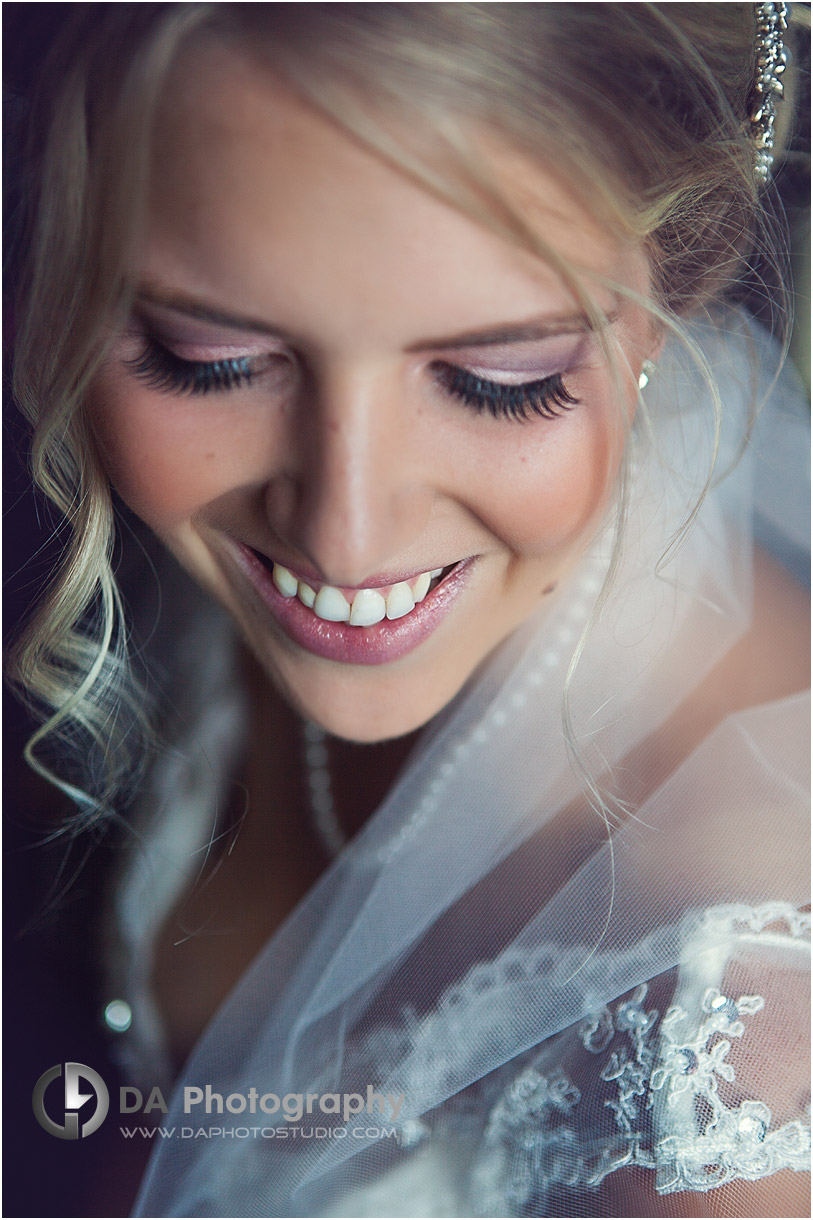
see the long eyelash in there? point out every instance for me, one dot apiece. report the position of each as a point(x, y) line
point(161, 369)
point(547, 398)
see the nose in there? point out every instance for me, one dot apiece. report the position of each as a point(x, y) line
point(354, 495)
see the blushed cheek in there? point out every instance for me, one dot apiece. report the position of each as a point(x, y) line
point(164, 463)
point(558, 490)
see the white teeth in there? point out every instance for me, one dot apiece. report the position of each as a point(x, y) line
point(368, 607)
point(400, 600)
point(332, 605)
point(285, 581)
point(420, 587)
point(306, 595)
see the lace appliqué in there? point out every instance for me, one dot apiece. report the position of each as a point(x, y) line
point(720, 1143)
point(550, 1130)
point(541, 1134)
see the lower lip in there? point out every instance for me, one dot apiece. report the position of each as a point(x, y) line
point(379, 644)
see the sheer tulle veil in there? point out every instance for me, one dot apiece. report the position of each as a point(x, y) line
point(488, 905)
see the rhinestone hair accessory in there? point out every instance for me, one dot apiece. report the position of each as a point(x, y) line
point(771, 61)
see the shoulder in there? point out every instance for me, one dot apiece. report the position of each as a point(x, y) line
point(772, 660)
point(769, 663)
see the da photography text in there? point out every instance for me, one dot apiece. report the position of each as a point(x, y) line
point(292, 1106)
point(60, 1109)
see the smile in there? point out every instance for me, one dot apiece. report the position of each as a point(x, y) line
point(369, 626)
point(365, 607)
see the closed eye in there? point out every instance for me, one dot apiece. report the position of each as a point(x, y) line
point(162, 369)
point(544, 398)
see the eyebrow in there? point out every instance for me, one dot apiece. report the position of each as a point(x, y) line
point(511, 332)
point(178, 302)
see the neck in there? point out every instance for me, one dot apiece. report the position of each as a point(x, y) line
point(269, 858)
point(361, 775)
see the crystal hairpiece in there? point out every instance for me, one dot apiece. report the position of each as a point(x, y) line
point(771, 60)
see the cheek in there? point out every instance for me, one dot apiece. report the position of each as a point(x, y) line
point(554, 481)
point(168, 459)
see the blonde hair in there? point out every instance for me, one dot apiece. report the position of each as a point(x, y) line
point(642, 109)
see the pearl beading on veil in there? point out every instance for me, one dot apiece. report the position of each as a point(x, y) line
point(499, 717)
point(322, 808)
point(323, 813)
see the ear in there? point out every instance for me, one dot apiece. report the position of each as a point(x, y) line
point(650, 362)
point(658, 341)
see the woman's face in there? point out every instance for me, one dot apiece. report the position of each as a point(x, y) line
point(365, 352)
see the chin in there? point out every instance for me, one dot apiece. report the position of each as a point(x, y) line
point(366, 731)
point(359, 706)
point(353, 719)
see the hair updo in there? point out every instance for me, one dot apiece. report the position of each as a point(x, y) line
point(643, 109)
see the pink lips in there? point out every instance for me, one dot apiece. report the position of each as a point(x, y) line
point(377, 645)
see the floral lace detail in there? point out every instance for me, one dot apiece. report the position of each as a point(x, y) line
point(688, 1063)
point(633, 1084)
point(738, 919)
point(537, 1137)
point(629, 1072)
point(735, 1142)
point(549, 1132)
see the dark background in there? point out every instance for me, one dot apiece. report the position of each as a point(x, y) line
point(52, 1002)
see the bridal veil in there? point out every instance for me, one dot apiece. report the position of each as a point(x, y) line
point(569, 996)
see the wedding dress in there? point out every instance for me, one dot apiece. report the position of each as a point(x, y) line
point(578, 1003)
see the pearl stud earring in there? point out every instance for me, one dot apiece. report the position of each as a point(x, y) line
point(647, 370)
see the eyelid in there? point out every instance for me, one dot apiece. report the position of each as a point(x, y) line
point(259, 361)
point(204, 343)
point(517, 363)
point(512, 376)
point(165, 371)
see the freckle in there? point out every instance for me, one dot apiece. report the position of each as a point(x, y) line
point(209, 456)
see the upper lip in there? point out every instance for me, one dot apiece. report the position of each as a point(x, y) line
point(377, 581)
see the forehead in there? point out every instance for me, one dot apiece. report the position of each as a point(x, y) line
point(265, 205)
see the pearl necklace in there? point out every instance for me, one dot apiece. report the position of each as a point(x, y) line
point(322, 807)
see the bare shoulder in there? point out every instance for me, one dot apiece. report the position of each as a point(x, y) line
point(769, 662)
point(784, 1194)
point(773, 658)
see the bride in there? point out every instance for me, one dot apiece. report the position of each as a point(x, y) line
point(461, 791)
